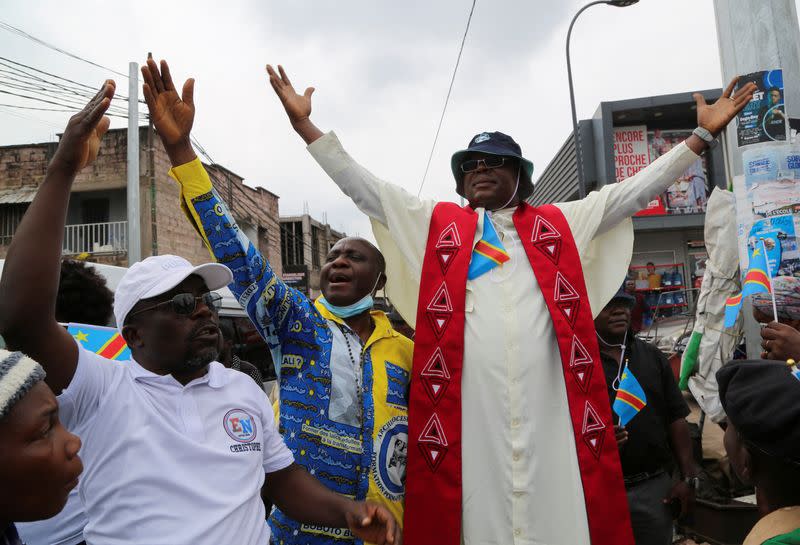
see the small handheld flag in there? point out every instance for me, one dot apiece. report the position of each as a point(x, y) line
point(756, 280)
point(488, 253)
point(630, 398)
point(793, 368)
point(732, 307)
point(105, 341)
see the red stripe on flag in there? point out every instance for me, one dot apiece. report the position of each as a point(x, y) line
point(113, 347)
point(487, 250)
point(758, 276)
point(733, 301)
point(631, 400)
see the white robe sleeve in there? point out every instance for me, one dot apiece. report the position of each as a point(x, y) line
point(399, 220)
point(603, 230)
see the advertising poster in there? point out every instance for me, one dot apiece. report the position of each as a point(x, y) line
point(764, 118)
point(296, 276)
point(772, 179)
point(631, 154)
point(768, 211)
point(689, 193)
point(780, 241)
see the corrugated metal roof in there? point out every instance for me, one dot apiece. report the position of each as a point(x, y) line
point(16, 195)
point(559, 179)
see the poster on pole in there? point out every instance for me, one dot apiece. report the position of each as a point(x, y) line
point(632, 154)
point(768, 204)
point(764, 118)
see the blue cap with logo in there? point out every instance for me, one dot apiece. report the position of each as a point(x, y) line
point(494, 143)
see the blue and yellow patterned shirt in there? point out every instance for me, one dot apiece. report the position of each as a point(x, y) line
point(343, 403)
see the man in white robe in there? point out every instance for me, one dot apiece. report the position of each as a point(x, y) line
point(521, 482)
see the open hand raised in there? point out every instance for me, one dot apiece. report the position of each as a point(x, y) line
point(81, 139)
point(172, 115)
point(715, 117)
point(298, 107)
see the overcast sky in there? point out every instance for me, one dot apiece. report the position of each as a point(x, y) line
point(381, 71)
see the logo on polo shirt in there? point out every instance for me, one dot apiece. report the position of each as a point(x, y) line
point(389, 457)
point(240, 425)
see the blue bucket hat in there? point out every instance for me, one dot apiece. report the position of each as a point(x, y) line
point(624, 297)
point(494, 143)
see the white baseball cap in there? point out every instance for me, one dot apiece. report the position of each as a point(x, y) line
point(159, 274)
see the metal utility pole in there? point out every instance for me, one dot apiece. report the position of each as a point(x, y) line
point(756, 35)
point(134, 233)
point(576, 130)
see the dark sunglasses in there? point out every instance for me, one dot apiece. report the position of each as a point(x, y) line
point(186, 303)
point(492, 161)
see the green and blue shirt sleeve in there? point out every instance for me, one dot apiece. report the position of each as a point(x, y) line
point(792, 538)
point(273, 306)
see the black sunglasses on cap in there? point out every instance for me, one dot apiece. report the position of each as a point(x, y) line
point(491, 161)
point(185, 304)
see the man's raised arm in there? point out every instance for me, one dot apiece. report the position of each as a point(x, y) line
point(633, 194)
point(30, 277)
point(363, 187)
point(173, 117)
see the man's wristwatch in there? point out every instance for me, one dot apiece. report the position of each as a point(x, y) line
point(704, 135)
point(693, 482)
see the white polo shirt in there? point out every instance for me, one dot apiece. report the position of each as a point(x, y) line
point(167, 464)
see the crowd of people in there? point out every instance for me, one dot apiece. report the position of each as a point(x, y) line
point(494, 425)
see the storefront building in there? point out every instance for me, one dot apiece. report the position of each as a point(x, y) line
point(622, 138)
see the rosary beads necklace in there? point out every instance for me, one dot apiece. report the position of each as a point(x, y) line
point(358, 366)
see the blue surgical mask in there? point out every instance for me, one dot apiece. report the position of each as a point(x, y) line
point(362, 305)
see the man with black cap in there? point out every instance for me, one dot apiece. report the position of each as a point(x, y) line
point(506, 367)
point(656, 435)
point(762, 440)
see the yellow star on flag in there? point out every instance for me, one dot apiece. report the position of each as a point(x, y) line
point(756, 252)
point(81, 336)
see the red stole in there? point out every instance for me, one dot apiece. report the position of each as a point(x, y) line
point(433, 481)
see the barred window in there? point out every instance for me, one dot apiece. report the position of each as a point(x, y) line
point(10, 216)
point(292, 243)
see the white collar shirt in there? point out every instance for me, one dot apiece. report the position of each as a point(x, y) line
point(171, 464)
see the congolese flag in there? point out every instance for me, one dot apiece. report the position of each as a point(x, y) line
point(488, 253)
point(630, 398)
point(755, 281)
point(732, 307)
point(105, 341)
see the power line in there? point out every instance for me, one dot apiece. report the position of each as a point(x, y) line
point(73, 101)
point(20, 32)
point(20, 69)
point(46, 101)
point(30, 83)
point(447, 98)
point(29, 117)
point(32, 108)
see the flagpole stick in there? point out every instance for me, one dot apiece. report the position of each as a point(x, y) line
point(769, 274)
